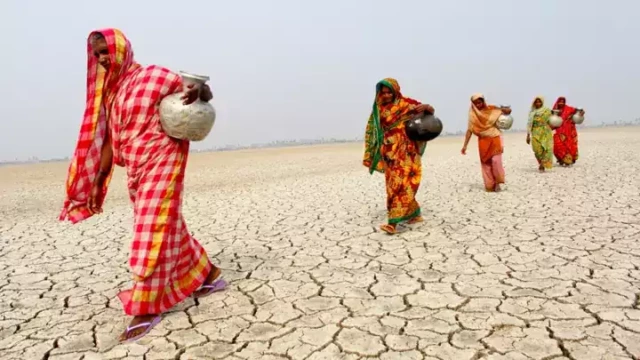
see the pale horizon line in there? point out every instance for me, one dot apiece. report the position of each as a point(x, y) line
point(300, 142)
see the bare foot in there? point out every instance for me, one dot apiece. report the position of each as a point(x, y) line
point(134, 330)
point(211, 278)
point(541, 169)
point(497, 188)
point(415, 220)
point(388, 228)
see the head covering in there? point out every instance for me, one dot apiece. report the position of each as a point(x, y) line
point(477, 96)
point(101, 85)
point(539, 97)
point(399, 110)
point(567, 111)
point(535, 112)
point(483, 122)
point(393, 85)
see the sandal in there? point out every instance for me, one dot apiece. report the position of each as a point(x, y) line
point(388, 228)
point(415, 220)
point(149, 325)
point(217, 285)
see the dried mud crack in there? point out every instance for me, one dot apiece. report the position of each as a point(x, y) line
point(547, 269)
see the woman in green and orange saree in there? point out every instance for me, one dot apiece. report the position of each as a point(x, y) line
point(388, 150)
point(540, 135)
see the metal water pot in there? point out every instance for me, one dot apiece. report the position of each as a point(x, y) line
point(191, 122)
point(555, 121)
point(424, 127)
point(577, 118)
point(504, 122)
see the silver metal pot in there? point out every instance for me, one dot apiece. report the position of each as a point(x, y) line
point(577, 118)
point(191, 122)
point(504, 122)
point(555, 121)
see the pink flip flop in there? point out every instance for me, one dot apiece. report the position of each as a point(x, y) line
point(217, 285)
point(148, 325)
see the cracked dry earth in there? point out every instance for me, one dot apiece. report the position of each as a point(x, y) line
point(548, 269)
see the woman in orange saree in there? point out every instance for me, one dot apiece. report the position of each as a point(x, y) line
point(565, 139)
point(482, 123)
point(389, 150)
point(121, 127)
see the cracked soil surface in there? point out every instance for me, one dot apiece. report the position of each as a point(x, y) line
point(547, 269)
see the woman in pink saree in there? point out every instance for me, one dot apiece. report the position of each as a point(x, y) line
point(121, 127)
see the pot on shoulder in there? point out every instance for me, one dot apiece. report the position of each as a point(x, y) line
point(424, 127)
point(191, 122)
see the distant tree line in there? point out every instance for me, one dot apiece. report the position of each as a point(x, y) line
point(305, 142)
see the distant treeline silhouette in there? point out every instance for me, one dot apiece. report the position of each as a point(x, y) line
point(306, 142)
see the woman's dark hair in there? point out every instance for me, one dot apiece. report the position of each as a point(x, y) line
point(97, 36)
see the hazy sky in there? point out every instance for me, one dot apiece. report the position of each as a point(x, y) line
point(286, 69)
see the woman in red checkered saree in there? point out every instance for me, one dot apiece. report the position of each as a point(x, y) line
point(121, 126)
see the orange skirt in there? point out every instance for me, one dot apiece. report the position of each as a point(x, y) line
point(489, 147)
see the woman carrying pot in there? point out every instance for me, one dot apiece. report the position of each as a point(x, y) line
point(482, 123)
point(565, 139)
point(121, 126)
point(390, 151)
point(540, 135)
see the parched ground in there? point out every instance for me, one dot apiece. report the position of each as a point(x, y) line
point(548, 269)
